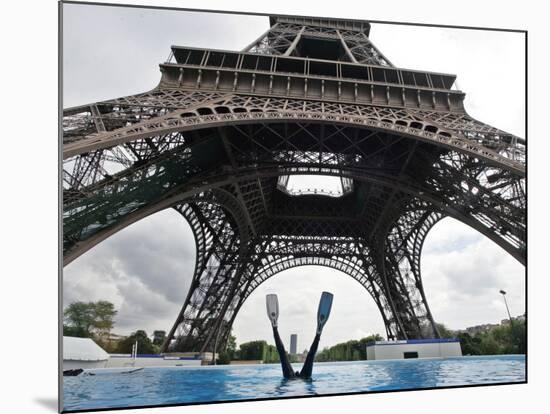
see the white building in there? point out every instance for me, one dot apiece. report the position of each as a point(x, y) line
point(83, 353)
point(414, 348)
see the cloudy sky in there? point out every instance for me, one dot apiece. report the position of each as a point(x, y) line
point(145, 269)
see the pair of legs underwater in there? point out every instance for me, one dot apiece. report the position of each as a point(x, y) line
point(323, 313)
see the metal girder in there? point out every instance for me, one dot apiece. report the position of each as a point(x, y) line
point(217, 220)
point(242, 110)
point(463, 186)
point(400, 244)
point(283, 36)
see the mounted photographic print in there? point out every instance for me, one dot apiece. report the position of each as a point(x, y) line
point(275, 206)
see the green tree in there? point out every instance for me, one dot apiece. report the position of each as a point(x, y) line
point(253, 350)
point(503, 339)
point(489, 346)
point(445, 332)
point(75, 331)
point(223, 359)
point(88, 319)
point(103, 317)
point(519, 337)
point(159, 337)
point(352, 350)
point(145, 345)
point(509, 339)
point(471, 345)
point(229, 353)
point(271, 355)
point(231, 346)
point(78, 319)
point(257, 350)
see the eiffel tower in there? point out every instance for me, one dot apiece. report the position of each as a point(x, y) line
point(224, 131)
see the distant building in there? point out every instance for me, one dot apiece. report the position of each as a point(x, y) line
point(414, 348)
point(293, 344)
point(519, 318)
point(473, 330)
point(111, 337)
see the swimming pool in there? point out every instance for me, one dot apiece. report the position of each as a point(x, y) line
point(181, 385)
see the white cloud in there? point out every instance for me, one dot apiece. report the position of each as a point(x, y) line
point(133, 42)
point(144, 270)
point(486, 63)
point(462, 281)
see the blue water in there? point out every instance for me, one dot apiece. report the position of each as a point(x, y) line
point(178, 385)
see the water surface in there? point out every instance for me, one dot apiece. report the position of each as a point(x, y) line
point(180, 385)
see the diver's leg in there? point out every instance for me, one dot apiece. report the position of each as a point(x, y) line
point(285, 363)
point(308, 365)
point(325, 304)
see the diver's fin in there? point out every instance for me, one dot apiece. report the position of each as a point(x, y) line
point(272, 305)
point(324, 310)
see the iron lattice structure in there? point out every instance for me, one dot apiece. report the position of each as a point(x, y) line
point(221, 134)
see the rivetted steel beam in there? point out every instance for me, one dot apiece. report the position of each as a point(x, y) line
point(346, 48)
point(294, 42)
point(175, 123)
point(178, 195)
point(260, 38)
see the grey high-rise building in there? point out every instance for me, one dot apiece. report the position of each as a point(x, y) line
point(293, 343)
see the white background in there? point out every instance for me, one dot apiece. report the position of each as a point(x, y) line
point(29, 229)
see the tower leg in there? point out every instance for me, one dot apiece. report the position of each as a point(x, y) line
point(221, 249)
point(401, 271)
